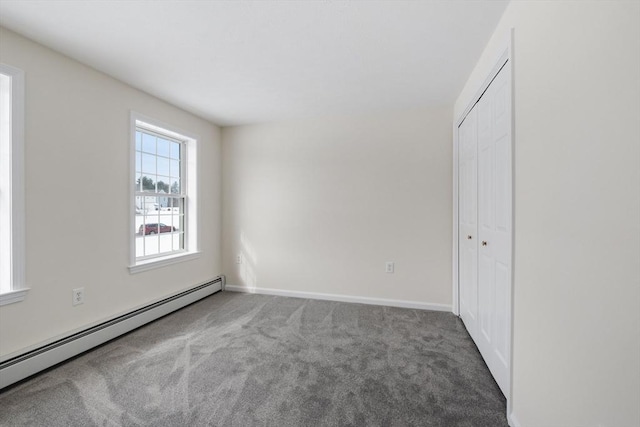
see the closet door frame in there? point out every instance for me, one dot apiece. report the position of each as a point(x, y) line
point(505, 56)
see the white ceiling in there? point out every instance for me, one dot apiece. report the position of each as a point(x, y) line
point(238, 62)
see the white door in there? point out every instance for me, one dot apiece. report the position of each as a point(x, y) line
point(494, 227)
point(468, 221)
point(491, 326)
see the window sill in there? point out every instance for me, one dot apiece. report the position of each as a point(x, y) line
point(13, 296)
point(151, 264)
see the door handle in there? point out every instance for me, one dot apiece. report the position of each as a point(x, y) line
point(469, 237)
point(484, 243)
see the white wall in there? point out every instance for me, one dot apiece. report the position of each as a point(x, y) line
point(577, 210)
point(77, 198)
point(320, 205)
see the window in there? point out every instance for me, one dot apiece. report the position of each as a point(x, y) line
point(12, 286)
point(160, 199)
point(164, 197)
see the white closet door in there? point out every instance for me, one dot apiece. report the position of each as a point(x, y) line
point(484, 221)
point(494, 227)
point(468, 221)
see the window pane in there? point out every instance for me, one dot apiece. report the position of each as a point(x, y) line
point(151, 244)
point(138, 140)
point(150, 229)
point(164, 147)
point(137, 182)
point(177, 212)
point(141, 206)
point(139, 211)
point(175, 150)
point(175, 168)
point(148, 183)
point(163, 166)
point(139, 245)
point(166, 242)
point(165, 212)
point(148, 143)
point(163, 185)
point(175, 221)
point(149, 164)
point(138, 161)
point(152, 219)
point(139, 226)
point(175, 186)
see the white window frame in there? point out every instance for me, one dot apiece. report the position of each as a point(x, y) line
point(189, 183)
point(12, 217)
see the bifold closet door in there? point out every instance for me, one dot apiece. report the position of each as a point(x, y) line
point(494, 227)
point(485, 282)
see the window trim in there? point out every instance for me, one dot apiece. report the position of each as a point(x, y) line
point(190, 183)
point(16, 214)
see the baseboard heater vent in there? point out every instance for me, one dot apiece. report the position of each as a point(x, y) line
point(24, 365)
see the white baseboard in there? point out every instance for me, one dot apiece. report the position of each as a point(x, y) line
point(342, 298)
point(513, 421)
point(29, 363)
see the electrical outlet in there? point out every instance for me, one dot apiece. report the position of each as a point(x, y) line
point(239, 259)
point(78, 296)
point(389, 267)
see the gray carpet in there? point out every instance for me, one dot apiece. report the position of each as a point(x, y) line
point(253, 360)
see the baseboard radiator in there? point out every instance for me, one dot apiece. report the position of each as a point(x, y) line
point(24, 365)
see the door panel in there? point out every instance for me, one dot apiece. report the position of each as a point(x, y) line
point(468, 214)
point(486, 221)
point(494, 217)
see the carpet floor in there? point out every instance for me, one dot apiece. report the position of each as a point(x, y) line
point(253, 360)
